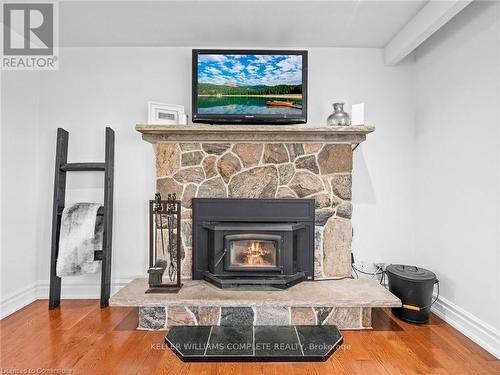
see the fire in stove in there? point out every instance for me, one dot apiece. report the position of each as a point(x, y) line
point(253, 254)
point(256, 254)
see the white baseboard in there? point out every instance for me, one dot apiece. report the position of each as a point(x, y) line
point(80, 290)
point(18, 300)
point(480, 332)
point(69, 290)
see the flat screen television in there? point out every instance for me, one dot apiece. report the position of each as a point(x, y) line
point(249, 86)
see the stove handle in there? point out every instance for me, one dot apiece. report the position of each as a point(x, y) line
point(221, 257)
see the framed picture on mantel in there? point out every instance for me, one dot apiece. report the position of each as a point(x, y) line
point(166, 114)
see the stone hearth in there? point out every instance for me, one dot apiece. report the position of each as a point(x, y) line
point(243, 161)
point(346, 303)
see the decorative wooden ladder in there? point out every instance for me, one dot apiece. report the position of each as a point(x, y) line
point(62, 166)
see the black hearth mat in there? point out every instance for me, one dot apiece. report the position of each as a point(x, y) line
point(254, 344)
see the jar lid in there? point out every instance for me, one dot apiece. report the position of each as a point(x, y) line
point(412, 273)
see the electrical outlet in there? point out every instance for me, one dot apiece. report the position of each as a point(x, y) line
point(379, 264)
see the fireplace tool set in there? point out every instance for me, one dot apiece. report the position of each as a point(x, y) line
point(164, 244)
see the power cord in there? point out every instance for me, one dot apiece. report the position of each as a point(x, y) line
point(356, 272)
point(370, 273)
point(335, 278)
point(378, 271)
point(382, 280)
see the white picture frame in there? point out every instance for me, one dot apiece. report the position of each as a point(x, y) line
point(358, 114)
point(165, 114)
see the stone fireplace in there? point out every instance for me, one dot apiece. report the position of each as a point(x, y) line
point(264, 162)
point(268, 164)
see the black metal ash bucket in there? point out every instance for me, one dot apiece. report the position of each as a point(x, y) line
point(414, 286)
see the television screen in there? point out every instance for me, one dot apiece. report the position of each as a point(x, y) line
point(249, 86)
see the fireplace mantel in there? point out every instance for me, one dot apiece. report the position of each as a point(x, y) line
point(254, 133)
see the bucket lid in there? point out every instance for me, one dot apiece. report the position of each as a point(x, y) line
point(412, 273)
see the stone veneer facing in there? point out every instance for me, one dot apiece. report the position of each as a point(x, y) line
point(162, 317)
point(271, 170)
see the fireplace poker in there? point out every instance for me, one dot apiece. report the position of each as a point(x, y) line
point(170, 224)
point(159, 209)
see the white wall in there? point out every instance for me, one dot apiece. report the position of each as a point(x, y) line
point(96, 87)
point(19, 191)
point(458, 163)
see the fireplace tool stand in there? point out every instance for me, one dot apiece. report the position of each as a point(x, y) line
point(164, 255)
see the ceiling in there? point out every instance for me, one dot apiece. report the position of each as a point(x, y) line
point(256, 23)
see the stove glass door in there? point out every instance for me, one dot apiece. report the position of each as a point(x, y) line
point(257, 252)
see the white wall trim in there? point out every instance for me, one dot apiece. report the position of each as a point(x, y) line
point(79, 290)
point(18, 300)
point(480, 332)
point(433, 16)
point(40, 290)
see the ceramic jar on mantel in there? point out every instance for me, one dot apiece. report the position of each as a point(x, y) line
point(338, 117)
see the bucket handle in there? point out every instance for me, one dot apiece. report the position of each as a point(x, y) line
point(415, 267)
point(417, 308)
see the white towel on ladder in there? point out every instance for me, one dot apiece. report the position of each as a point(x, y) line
point(78, 239)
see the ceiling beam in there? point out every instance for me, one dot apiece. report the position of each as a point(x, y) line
point(425, 23)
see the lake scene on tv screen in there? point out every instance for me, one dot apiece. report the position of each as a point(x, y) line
point(249, 84)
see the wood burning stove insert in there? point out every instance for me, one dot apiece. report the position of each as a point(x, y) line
point(253, 242)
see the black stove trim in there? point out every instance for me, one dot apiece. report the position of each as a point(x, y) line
point(220, 211)
point(266, 282)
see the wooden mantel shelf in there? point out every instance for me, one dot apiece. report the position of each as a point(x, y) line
point(254, 133)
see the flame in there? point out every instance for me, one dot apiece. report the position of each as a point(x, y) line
point(255, 253)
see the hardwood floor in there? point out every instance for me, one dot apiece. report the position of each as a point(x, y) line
point(80, 338)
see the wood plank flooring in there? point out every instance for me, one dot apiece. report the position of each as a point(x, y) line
point(80, 338)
